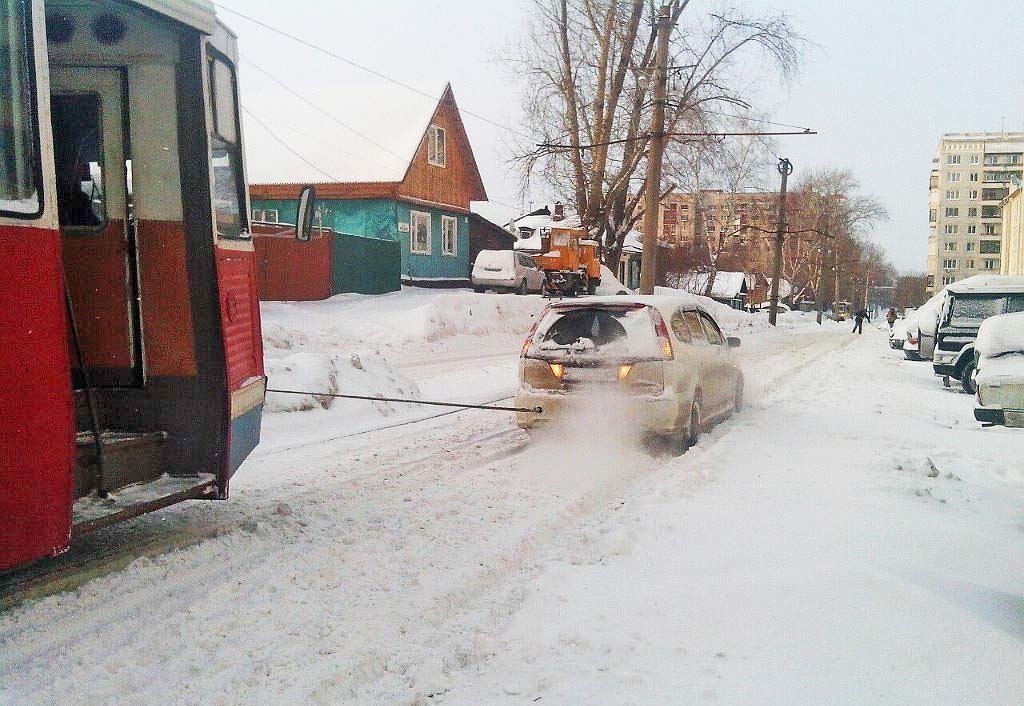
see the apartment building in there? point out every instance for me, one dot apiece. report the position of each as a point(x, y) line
point(1013, 232)
point(971, 175)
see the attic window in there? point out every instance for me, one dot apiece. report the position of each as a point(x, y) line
point(436, 154)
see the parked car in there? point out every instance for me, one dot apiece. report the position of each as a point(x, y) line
point(668, 361)
point(506, 270)
point(999, 373)
point(912, 343)
point(968, 303)
point(898, 334)
point(928, 323)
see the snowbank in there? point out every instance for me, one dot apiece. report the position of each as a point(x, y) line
point(1001, 334)
point(610, 284)
point(726, 316)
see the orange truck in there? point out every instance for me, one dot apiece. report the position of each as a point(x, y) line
point(571, 262)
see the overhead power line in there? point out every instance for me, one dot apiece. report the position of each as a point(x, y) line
point(362, 67)
point(288, 147)
point(625, 140)
point(324, 112)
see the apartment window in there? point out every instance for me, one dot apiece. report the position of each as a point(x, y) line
point(419, 233)
point(269, 215)
point(990, 264)
point(932, 215)
point(1014, 159)
point(972, 213)
point(952, 212)
point(436, 147)
point(973, 194)
point(990, 229)
point(973, 176)
point(994, 194)
point(991, 247)
point(950, 247)
point(949, 264)
point(948, 280)
point(970, 264)
point(952, 159)
point(971, 230)
point(449, 235)
point(953, 195)
point(954, 177)
point(974, 160)
point(991, 212)
point(951, 229)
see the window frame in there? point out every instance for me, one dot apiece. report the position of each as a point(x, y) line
point(710, 327)
point(234, 149)
point(413, 215)
point(454, 250)
point(433, 132)
point(36, 167)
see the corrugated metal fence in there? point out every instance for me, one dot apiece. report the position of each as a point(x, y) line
point(330, 263)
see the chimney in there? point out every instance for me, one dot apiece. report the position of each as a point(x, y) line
point(559, 213)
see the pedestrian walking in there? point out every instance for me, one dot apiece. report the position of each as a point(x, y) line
point(858, 320)
point(891, 316)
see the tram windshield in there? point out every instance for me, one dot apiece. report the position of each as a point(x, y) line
point(19, 188)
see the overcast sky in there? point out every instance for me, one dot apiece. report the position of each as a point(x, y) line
point(884, 81)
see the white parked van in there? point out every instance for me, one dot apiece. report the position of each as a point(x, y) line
point(506, 270)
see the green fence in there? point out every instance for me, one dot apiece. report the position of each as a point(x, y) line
point(366, 265)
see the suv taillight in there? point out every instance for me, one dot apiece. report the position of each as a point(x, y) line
point(664, 342)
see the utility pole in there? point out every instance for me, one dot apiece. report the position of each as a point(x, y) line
point(655, 156)
point(785, 169)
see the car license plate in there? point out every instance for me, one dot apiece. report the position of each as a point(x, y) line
point(589, 376)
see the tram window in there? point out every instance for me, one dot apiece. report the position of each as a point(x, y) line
point(78, 156)
point(19, 159)
point(226, 154)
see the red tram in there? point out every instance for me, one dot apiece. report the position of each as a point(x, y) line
point(131, 362)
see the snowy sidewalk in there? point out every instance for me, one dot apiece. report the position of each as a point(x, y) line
point(802, 555)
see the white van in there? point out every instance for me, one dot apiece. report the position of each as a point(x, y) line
point(506, 270)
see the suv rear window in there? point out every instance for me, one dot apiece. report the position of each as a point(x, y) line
point(974, 310)
point(596, 333)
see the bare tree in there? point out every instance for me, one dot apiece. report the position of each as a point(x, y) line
point(834, 217)
point(589, 65)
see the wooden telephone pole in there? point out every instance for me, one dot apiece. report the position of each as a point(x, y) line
point(785, 169)
point(655, 156)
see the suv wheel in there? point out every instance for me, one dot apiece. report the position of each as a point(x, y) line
point(967, 378)
point(693, 430)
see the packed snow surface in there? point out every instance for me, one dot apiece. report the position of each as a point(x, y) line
point(852, 537)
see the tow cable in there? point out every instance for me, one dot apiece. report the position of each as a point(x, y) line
point(488, 407)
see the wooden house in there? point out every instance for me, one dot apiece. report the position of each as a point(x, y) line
point(421, 200)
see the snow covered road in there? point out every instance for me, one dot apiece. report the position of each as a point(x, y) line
point(802, 553)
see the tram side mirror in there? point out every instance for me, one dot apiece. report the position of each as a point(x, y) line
point(733, 342)
point(307, 212)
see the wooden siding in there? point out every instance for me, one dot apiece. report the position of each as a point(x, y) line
point(458, 182)
point(339, 190)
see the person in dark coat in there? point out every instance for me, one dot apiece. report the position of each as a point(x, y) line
point(858, 320)
point(891, 316)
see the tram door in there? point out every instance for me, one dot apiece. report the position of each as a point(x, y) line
point(93, 197)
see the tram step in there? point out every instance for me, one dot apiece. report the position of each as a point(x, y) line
point(128, 458)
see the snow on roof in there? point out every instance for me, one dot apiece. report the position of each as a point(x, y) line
point(988, 283)
point(785, 286)
point(633, 242)
point(379, 130)
point(1001, 334)
point(727, 285)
